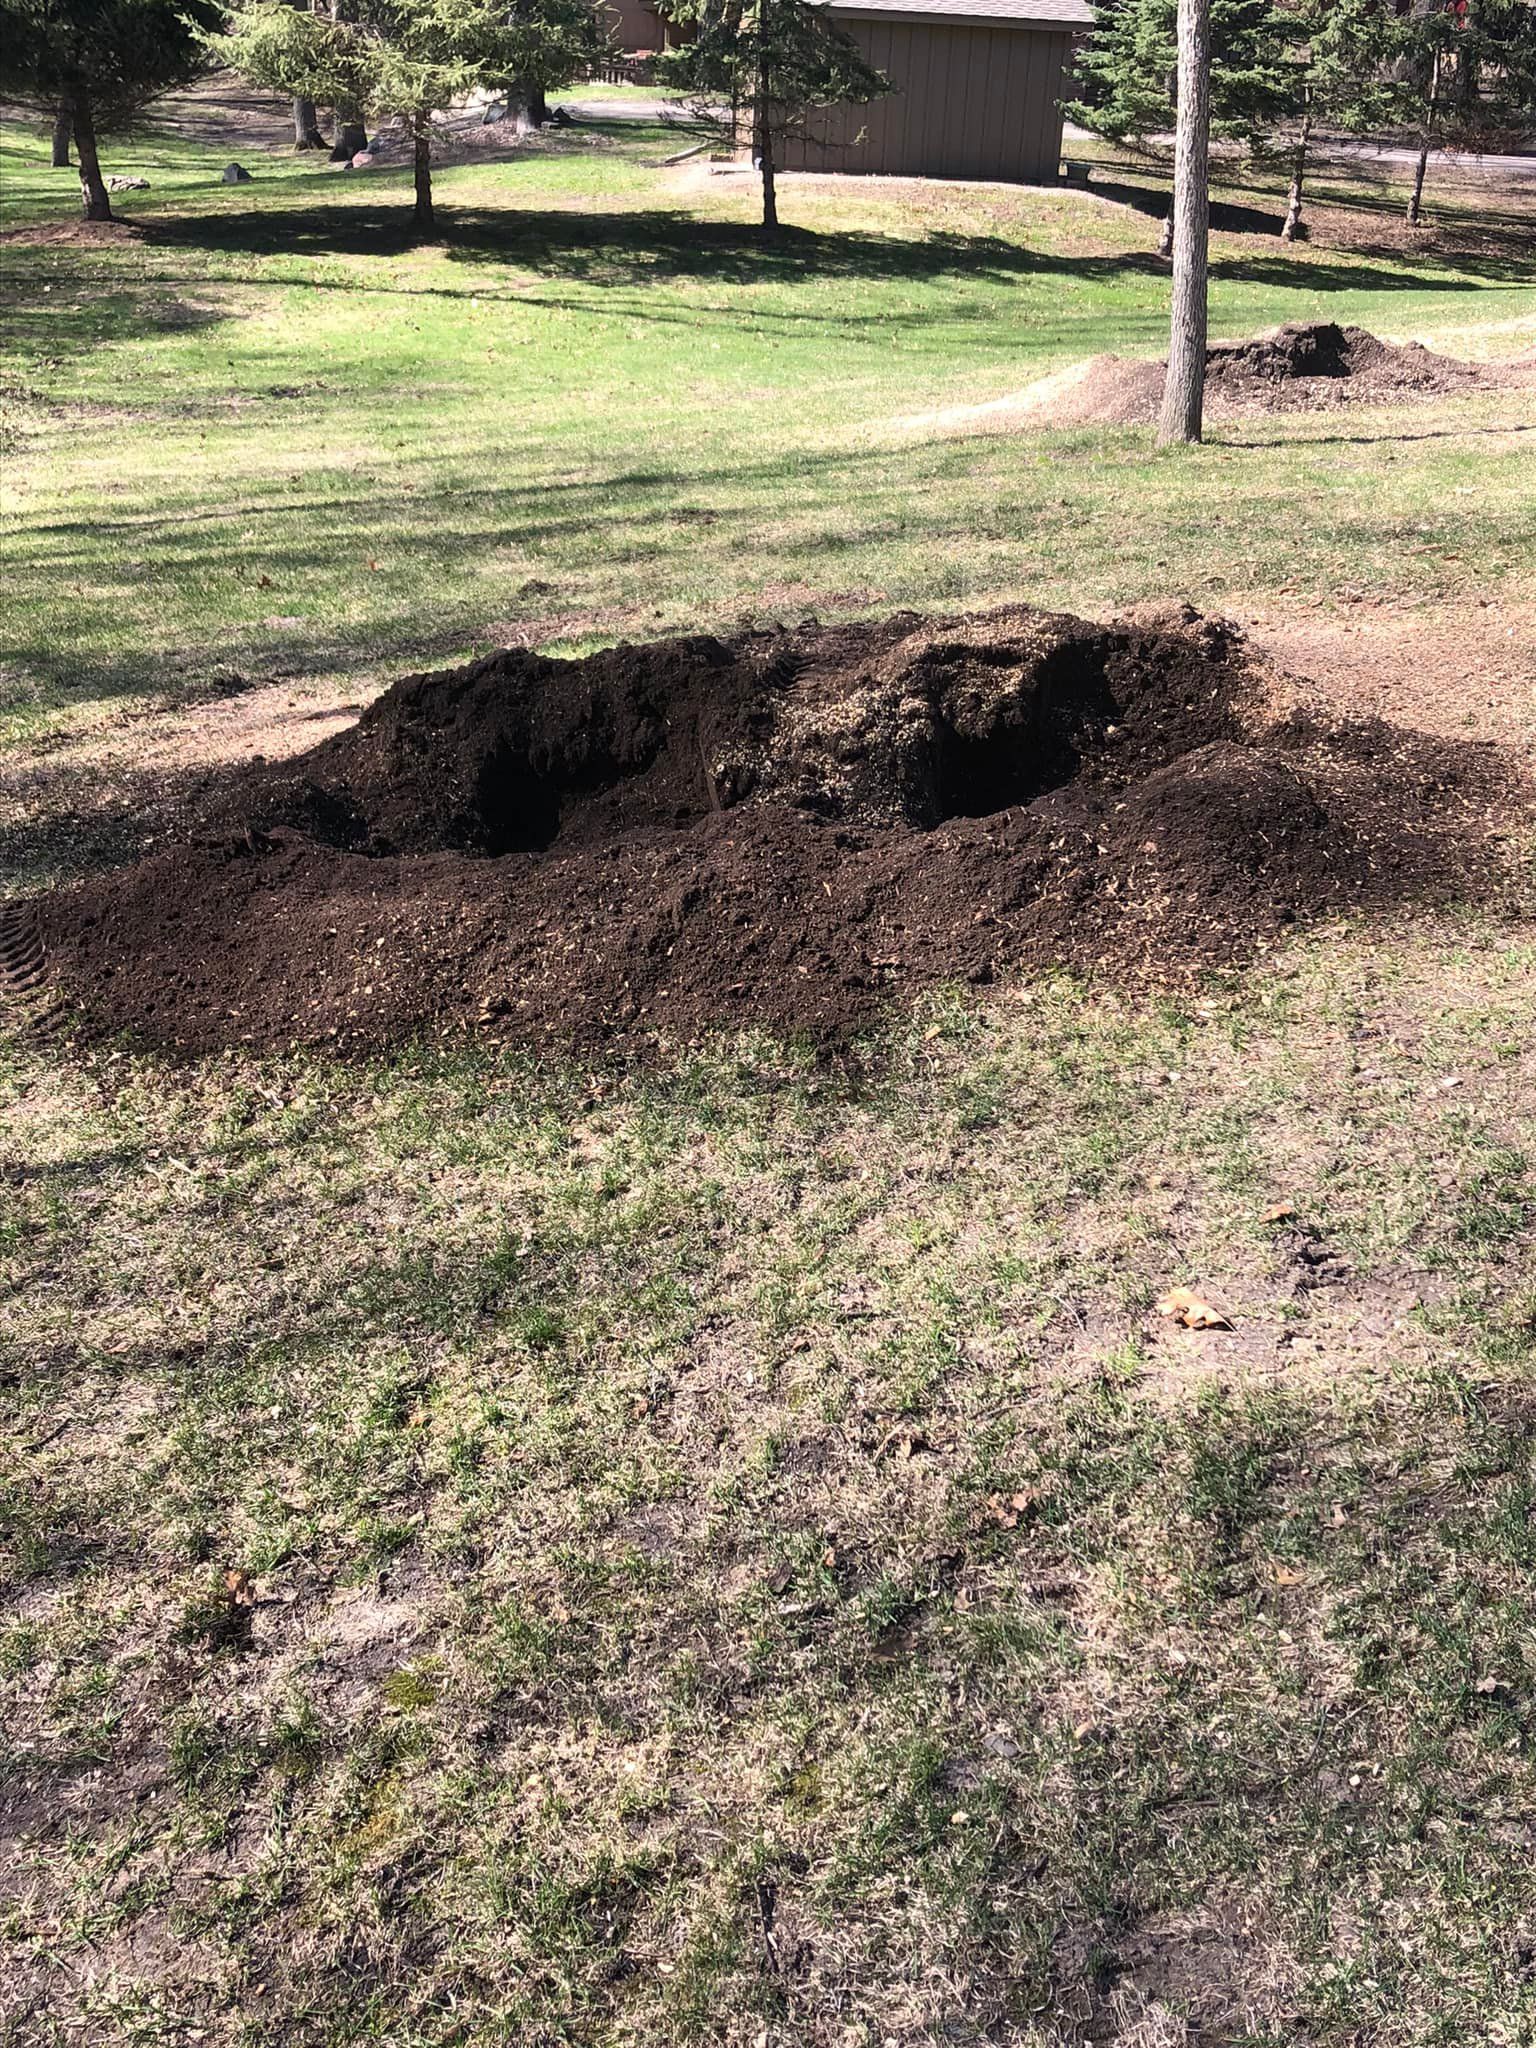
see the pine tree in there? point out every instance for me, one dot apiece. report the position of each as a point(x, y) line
point(93, 66)
point(777, 60)
point(1471, 67)
point(410, 58)
point(1127, 66)
point(1351, 58)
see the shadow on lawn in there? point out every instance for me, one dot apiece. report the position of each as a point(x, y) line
point(662, 245)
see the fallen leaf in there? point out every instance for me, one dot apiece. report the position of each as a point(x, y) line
point(1183, 1305)
point(1006, 1509)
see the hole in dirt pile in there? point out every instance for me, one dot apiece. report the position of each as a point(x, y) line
point(784, 829)
point(519, 749)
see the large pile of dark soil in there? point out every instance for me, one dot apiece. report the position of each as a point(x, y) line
point(785, 829)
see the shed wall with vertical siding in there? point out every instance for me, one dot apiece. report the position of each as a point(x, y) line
point(971, 101)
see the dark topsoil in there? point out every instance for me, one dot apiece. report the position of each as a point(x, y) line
point(1302, 367)
point(784, 829)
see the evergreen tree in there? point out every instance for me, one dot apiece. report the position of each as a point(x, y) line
point(776, 60)
point(1471, 68)
point(1351, 54)
point(93, 66)
point(409, 58)
point(1127, 65)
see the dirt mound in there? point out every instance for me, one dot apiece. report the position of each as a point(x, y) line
point(1317, 363)
point(1300, 367)
point(787, 828)
point(72, 234)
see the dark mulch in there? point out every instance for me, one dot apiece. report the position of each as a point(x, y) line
point(786, 829)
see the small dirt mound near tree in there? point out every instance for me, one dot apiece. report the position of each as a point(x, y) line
point(1307, 365)
point(788, 828)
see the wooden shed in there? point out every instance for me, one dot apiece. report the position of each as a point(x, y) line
point(635, 26)
point(978, 86)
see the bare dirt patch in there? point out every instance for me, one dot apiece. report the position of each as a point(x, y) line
point(1457, 670)
point(73, 234)
point(1301, 367)
point(789, 828)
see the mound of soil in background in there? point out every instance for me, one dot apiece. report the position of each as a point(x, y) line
point(787, 829)
point(1304, 366)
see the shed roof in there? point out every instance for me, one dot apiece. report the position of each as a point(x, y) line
point(1041, 13)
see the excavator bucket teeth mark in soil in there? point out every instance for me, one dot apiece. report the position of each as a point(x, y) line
point(23, 956)
point(25, 998)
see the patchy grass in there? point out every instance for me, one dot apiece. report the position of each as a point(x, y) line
point(271, 438)
point(493, 1552)
point(735, 1556)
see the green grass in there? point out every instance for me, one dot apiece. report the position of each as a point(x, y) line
point(275, 439)
point(731, 1554)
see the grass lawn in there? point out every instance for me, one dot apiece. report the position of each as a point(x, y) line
point(495, 1552)
point(275, 439)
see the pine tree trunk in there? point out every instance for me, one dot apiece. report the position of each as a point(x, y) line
point(423, 219)
point(351, 140)
point(63, 129)
point(306, 125)
point(94, 203)
point(770, 189)
point(527, 107)
point(1292, 226)
point(763, 135)
point(1184, 391)
point(1416, 196)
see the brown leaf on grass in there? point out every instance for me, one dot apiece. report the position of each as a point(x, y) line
point(1005, 1509)
point(1184, 1305)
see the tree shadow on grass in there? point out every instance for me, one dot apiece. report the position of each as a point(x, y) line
point(1227, 218)
point(664, 245)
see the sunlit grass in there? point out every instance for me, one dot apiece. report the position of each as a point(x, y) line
point(275, 437)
